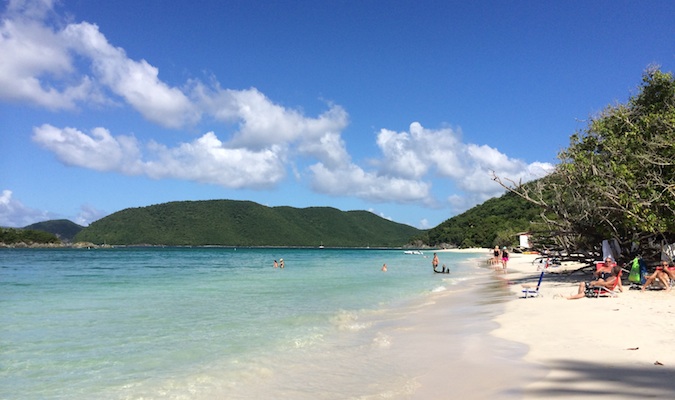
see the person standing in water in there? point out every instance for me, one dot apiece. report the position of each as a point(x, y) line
point(281, 263)
point(275, 264)
point(384, 267)
point(434, 262)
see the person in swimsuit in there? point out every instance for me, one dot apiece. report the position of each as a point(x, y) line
point(669, 270)
point(434, 262)
point(605, 271)
point(608, 283)
point(661, 274)
point(604, 275)
point(505, 258)
point(497, 255)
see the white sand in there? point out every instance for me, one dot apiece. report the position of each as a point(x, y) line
point(590, 348)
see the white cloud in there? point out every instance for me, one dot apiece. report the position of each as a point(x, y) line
point(424, 224)
point(38, 9)
point(88, 214)
point(38, 66)
point(409, 159)
point(205, 160)
point(263, 123)
point(16, 215)
point(469, 166)
point(70, 65)
point(99, 151)
point(208, 160)
point(136, 81)
point(380, 214)
point(35, 67)
point(351, 180)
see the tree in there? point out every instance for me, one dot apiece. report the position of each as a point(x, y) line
point(617, 177)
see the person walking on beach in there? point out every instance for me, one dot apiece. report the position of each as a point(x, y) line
point(497, 255)
point(505, 258)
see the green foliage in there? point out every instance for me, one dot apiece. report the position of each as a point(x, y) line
point(27, 236)
point(619, 173)
point(62, 228)
point(495, 222)
point(244, 223)
point(617, 177)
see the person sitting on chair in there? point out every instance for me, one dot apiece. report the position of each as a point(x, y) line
point(662, 274)
point(670, 270)
point(605, 271)
point(605, 280)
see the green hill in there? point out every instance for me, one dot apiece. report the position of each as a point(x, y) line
point(244, 223)
point(13, 236)
point(62, 228)
point(495, 222)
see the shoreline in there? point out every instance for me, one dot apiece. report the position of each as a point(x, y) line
point(618, 347)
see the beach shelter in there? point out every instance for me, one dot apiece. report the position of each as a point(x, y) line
point(524, 240)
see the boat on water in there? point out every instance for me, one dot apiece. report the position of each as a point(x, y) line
point(412, 252)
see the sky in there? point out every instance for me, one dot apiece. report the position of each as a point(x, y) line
point(403, 108)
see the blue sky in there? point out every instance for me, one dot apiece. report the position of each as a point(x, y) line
point(403, 108)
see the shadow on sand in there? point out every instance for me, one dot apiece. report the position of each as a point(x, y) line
point(621, 382)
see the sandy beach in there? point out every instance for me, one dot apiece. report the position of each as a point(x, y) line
point(621, 347)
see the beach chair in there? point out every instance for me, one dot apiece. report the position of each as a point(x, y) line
point(529, 291)
point(603, 291)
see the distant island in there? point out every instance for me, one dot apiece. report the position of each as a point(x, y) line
point(244, 223)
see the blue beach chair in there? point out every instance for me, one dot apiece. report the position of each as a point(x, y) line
point(529, 291)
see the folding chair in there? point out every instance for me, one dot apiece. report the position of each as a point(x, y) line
point(529, 291)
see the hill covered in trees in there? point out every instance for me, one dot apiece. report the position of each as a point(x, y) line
point(63, 229)
point(244, 223)
point(496, 222)
point(16, 236)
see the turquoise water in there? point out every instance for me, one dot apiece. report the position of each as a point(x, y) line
point(194, 323)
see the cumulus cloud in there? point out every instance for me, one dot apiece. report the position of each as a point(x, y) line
point(205, 159)
point(88, 214)
point(35, 66)
point(410, 159)
point(352, 180)
point(38, 66)
point(208, 160)
point(136, 81)
point(70, 65)
point(99, 150)
point(16, 215)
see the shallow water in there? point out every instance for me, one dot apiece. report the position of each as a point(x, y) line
point(204, 323)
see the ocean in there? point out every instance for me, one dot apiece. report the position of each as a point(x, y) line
point(222, 323)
